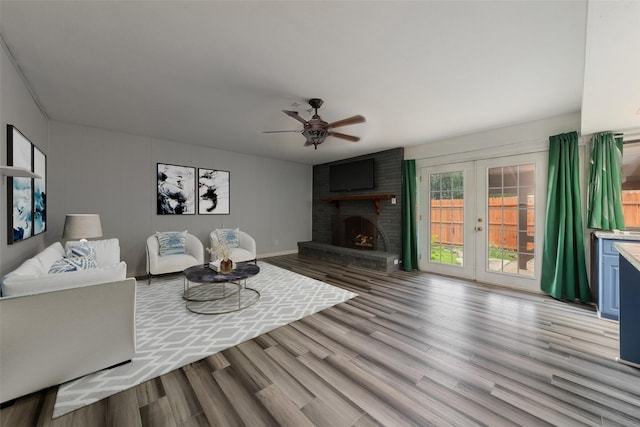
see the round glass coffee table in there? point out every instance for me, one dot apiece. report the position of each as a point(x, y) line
point(207, 291)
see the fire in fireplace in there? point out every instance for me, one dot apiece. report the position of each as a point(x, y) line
point(357, 232)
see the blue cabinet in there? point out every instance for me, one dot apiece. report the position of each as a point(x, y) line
point(629, 315)
point(607, 280)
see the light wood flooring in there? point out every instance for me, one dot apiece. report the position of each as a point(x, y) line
point(413, 349)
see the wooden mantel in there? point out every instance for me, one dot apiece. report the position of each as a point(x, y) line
point(374, 197)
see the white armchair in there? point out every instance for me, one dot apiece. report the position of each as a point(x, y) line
point(246, 250)
point(161, 264)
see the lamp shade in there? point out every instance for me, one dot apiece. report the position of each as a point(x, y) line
point(82, 226)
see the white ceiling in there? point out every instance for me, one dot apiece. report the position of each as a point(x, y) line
point(217, 73)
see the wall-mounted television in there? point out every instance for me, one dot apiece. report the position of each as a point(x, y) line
point(357, 175)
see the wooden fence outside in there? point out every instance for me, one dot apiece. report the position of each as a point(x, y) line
point(631, 208)
point(447, 220)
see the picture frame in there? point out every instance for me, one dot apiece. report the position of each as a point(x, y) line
point(20, 190)
point(176, 189)
point(39, 192)
point(213, 192)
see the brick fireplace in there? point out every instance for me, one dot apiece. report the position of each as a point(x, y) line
point(361, 228)
point(354, 231)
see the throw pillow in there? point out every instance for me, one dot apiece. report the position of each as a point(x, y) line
point(229, 236)
point(172, 242)
point(80, 249)
point(107, 250)
point(75, 263)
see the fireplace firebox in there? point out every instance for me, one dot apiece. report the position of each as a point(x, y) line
point(354, 231)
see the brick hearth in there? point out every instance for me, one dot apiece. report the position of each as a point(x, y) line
point(375, 260)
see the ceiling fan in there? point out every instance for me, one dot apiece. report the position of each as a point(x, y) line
point(316, 130)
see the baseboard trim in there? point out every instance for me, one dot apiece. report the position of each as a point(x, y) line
point(270, 254)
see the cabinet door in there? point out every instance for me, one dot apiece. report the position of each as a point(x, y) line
point(610, 304)
point(596, 280)
point(629, 313)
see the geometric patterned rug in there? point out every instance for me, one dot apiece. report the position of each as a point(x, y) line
point(169, 336)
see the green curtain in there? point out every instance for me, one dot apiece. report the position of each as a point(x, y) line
point(409, 224)
point(564, 272)
point(605, 182)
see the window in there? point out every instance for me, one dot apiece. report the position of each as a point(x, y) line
point(511, 219)
point(631, 184)
point(447, 217)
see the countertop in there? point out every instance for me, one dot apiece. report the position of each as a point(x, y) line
point(631, 251)
point(620, 235)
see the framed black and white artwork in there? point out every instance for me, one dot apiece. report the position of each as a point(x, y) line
point(213, 192)
point(39, 192)
point(176, 190)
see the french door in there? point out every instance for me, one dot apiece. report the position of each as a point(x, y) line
point(484, 220)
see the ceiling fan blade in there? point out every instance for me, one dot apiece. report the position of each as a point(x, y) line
point(295, 115)
point(280, 131)
point(344, 136)
point(348, 121)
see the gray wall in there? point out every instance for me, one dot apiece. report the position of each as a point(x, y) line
point(17, 108)
point(388, 180)
point(114, 174)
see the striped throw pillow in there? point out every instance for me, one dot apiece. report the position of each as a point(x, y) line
point(80, 249)
point(172, 242)
point(228, 236)
point(76, 263)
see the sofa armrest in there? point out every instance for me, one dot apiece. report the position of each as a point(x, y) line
point(53, 337)
point(153, 252)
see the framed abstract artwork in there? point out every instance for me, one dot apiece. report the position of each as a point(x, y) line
point(176, 190)
point(25, 196)
point(213, 192)
point(39, 192)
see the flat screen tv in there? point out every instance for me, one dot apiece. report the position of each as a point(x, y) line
point(358, 175)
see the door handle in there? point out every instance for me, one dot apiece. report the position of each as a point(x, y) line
point(479, 228)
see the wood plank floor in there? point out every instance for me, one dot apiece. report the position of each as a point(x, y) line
point(413, 349)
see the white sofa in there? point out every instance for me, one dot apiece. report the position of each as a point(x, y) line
point(58, 327)
point(33, 275)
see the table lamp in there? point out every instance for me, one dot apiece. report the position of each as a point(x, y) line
point(82, 227)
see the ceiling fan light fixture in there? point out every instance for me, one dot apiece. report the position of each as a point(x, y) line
point(315, 136)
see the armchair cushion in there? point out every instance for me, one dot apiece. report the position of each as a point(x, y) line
point(228, 235)
point(172, 242)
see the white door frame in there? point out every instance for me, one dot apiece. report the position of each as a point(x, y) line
point(483, 274)
point(475, 240)
point(467, 270)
